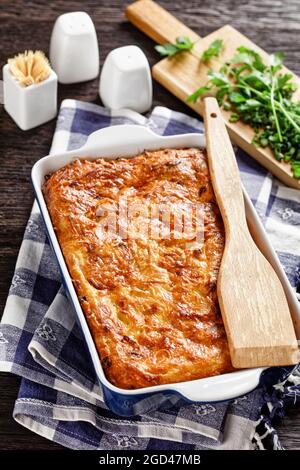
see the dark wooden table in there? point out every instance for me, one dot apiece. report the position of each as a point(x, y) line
point(275, 25)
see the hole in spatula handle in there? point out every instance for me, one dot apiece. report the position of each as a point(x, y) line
point(213, 115)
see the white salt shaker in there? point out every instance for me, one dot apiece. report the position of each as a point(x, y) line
point(125, 80)
point(29, 106)
point(74, 52)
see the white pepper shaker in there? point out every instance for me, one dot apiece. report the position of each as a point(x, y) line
point(74, 51)
point(125, 80)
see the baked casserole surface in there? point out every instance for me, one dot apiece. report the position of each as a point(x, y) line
point(150, 303)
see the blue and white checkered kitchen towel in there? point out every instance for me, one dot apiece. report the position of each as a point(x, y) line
point(39, 340)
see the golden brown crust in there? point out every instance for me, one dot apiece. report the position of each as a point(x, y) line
point(151, 304)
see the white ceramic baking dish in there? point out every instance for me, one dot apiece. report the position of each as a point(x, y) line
point(127, 141)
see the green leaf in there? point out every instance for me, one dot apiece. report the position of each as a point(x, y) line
point(183, 43)
point(234, 117)
point(254, 57)
point(296, 169)
point(243, 58)
point(276, 59)
point(194, 96)
point(224, 69)
point(253, 103)
point(239, 70)
point(218, 79)
point(226, 106)
point(263, 142)
point(257, 79)
point(213, 50)
point(282, 80)
point(235, 97)
point(166, 50)
point(220, 95)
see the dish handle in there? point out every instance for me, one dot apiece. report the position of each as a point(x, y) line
point(126, 134)
point(228, 386)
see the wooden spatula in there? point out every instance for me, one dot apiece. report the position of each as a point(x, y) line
point(252, 300)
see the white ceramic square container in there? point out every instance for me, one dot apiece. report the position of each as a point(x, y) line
point(32, 105)
point(127, 141)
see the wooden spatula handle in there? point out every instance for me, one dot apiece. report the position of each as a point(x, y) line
point(223, 167)
point(156, 22)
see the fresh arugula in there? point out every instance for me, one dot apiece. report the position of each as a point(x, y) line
point(259, 95)
point(213, 50)
point(183, 43)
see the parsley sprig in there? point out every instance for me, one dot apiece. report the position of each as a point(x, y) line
point(259, 95)
point(183, 43)
point(213, 50)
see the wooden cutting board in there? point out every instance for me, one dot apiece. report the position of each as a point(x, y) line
point(184, 73)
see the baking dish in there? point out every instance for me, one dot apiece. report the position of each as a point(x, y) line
point(126, 141)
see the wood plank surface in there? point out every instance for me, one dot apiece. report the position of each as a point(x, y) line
point(273, 24)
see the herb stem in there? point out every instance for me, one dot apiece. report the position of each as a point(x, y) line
point(274, 110)
point(248, 87)
point(276, 103)
point(287, 115)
